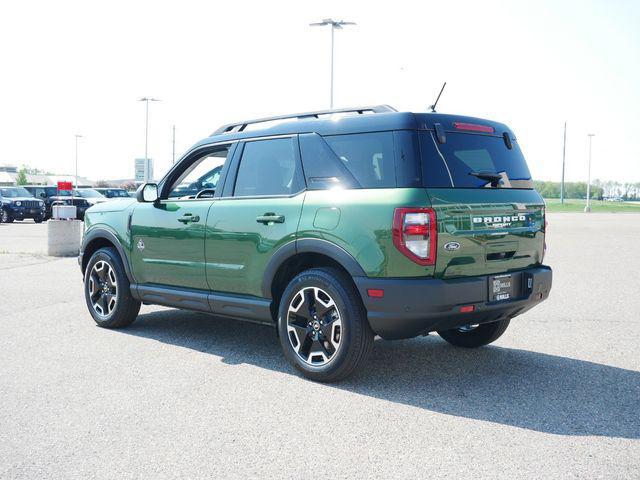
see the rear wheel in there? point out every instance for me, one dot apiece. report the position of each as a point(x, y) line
point(323, 327)
point(106, 290)
point(471, 336)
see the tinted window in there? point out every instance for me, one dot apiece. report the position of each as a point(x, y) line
point(369, 157)
point(203, 174)
point(463, 153)
point(267, 167)
point(322, 168)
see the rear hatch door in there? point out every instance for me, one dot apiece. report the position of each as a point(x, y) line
point(490, 219)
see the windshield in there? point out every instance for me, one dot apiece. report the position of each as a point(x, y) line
point(118, 193)
point(467, 160)
point(89, 193)
point(14, 192)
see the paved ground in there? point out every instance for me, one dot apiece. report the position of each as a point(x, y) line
point(188, 395)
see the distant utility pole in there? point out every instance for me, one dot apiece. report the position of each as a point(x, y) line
point(173, 149)
point(334, 25)
point(146, 133)
point(564, 149)
point(77, 137)
point(587, 208)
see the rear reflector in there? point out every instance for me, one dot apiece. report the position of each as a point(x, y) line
point(467, 308)
point(473, 127)
point(375, 292)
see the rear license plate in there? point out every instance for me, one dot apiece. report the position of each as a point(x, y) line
point(500, 287)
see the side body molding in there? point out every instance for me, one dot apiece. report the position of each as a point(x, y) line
point(308, 245)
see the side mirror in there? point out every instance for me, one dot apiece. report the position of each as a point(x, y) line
point(147, 193)
point(43, 195)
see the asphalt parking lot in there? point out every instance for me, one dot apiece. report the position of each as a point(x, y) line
point(184, 395)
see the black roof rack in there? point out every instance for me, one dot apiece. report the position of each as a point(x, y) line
point(240, 126)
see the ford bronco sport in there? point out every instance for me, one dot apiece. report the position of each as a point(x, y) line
point(336, 226)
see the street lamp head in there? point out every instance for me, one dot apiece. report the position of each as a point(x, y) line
point(330, 21)
point(591, 134)
point(149, 99)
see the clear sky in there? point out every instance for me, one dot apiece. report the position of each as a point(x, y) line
point(79, 67)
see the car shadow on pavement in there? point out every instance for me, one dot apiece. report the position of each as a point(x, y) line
point(525, 389)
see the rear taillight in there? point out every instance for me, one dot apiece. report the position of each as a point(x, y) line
point(415, 234)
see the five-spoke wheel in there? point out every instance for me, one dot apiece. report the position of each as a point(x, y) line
point(314, 326)
point(323, 326)
point(107, 290)
point(103, 288)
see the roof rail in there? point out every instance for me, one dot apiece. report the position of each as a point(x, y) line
point(240, 126)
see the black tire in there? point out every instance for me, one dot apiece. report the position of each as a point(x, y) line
point(344, 323)
point(38, 220)
point(6, 216)
point(479, 336)
point(125, 309)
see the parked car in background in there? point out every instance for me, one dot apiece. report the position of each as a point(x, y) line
point(19, 204)
point(90, 195)
point(113, 192)
point(50, 195)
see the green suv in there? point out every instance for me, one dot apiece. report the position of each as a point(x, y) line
point(336, 226)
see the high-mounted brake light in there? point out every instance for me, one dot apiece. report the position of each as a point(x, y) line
point(415, 234)
point(473, 127)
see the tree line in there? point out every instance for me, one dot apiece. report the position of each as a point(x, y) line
point(599, 189)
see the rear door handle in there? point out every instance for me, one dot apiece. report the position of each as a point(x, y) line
point(270, 217)
point(189, 218)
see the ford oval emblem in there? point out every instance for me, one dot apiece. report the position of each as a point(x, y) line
point(451, 246)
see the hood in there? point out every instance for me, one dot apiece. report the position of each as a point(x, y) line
point(113, 205)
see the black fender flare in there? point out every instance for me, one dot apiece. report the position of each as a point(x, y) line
point(308, 245)
point(105, 234)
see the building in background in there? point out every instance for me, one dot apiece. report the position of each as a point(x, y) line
point(9, 177)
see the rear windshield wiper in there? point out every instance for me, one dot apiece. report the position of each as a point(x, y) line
point(494, 178)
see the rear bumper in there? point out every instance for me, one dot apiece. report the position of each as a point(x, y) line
point(411, 307)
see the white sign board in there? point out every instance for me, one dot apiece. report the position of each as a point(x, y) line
point(143, 170)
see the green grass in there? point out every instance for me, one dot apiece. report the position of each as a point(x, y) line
point(597, 206)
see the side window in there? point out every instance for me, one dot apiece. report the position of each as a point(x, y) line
point(202, 174)
point(267, 167)
point(369, 157)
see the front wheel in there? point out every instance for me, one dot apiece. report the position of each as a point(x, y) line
point(5, 217)
point(323, 326)
point(472, 336)
point(107, 290)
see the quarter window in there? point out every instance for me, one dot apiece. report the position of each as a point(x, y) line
point(368, 157)
point(267, 167)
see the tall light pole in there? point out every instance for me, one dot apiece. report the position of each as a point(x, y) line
point(173, 148)
point(587, 208)
point(146, 100)
point(334, 25)
point(564, 149)
point(77, 137)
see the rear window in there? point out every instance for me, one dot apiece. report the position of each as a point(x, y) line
point(453, 163)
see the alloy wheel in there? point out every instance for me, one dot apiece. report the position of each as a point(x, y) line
point(314, 326)
point(103, 288)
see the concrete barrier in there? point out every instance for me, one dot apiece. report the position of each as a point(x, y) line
point(63, 237)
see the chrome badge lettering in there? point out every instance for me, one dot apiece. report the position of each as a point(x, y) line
point(498, 221)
